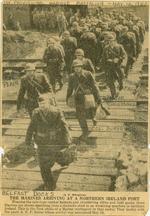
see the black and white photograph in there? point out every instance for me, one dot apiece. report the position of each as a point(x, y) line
point(75, 97)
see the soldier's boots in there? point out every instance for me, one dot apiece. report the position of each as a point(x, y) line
point(94, 122)
point(84, 136)
point(49, 187)
point(60, 86)
point(113, 91)
point(47, 177)
point(120, 87)
point(114, 96)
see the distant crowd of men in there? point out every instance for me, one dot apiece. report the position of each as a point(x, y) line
point(109, 42)
point(45, 19)
point(51, 19)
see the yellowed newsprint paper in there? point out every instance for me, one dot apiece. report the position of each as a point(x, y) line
point(74, 92)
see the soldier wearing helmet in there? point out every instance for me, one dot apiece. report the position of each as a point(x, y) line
point(69, 44)
point(81, 83)
point(57, 43)
point(75, 31)
point(113, 61)
point(62, 23)
point(88, 42)
point(51, 134)
point(87, 63)
point(31, 85)
point(101, 42)
point(104, 26)
point(74, 18)
point(128, 40)
point(54, 59)
point(136, 31)
point(141, 26)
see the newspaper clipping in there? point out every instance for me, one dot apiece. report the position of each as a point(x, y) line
point(74, 95)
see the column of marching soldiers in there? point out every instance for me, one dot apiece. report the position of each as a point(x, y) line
point(109, 42)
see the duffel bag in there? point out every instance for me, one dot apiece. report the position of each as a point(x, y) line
point(89, 101)
point(67, 155)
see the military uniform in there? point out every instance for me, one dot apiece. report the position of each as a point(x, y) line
point(128, 40)
point(87, 63)
point(117, 30)
point(54, 59)
point(62, 23)
point(34, 14)
point(135, 30)
point(113, 59)
point(75, 31)
point(61, 49)
point(88, 43)
point(37, 19)
point(69, 44)
point(141, 26)
point(11, 24)
point(100, 46)
point(51, 134)
point(74, 18)
point(30, 87)
point(89, 86)
point(42, 20)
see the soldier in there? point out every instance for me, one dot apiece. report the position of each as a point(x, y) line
point(57, 40)
point(128, 40)
point(87, 63)
point(69, 44)
point(51, 134)
point(75, 31)
point(11, 25)
point(88, 43)
point(37, 19)
point(82, 82)
point(113, 60)
point(101, 42)
point(141, 26)
point(135, 30)
point(104, 26)
point(93, 27)
point(82, 22)
point(53, 57)
point(118, 30)
point(18, 26)
point(99, 49)
point(130, 25)
point(31, 85)
point(121, 20)
point(34, 17)
point(69, 14)
point(52, 21)
point(40, 19)
point(74, 18)
point(43, 19)
point(62, 23)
